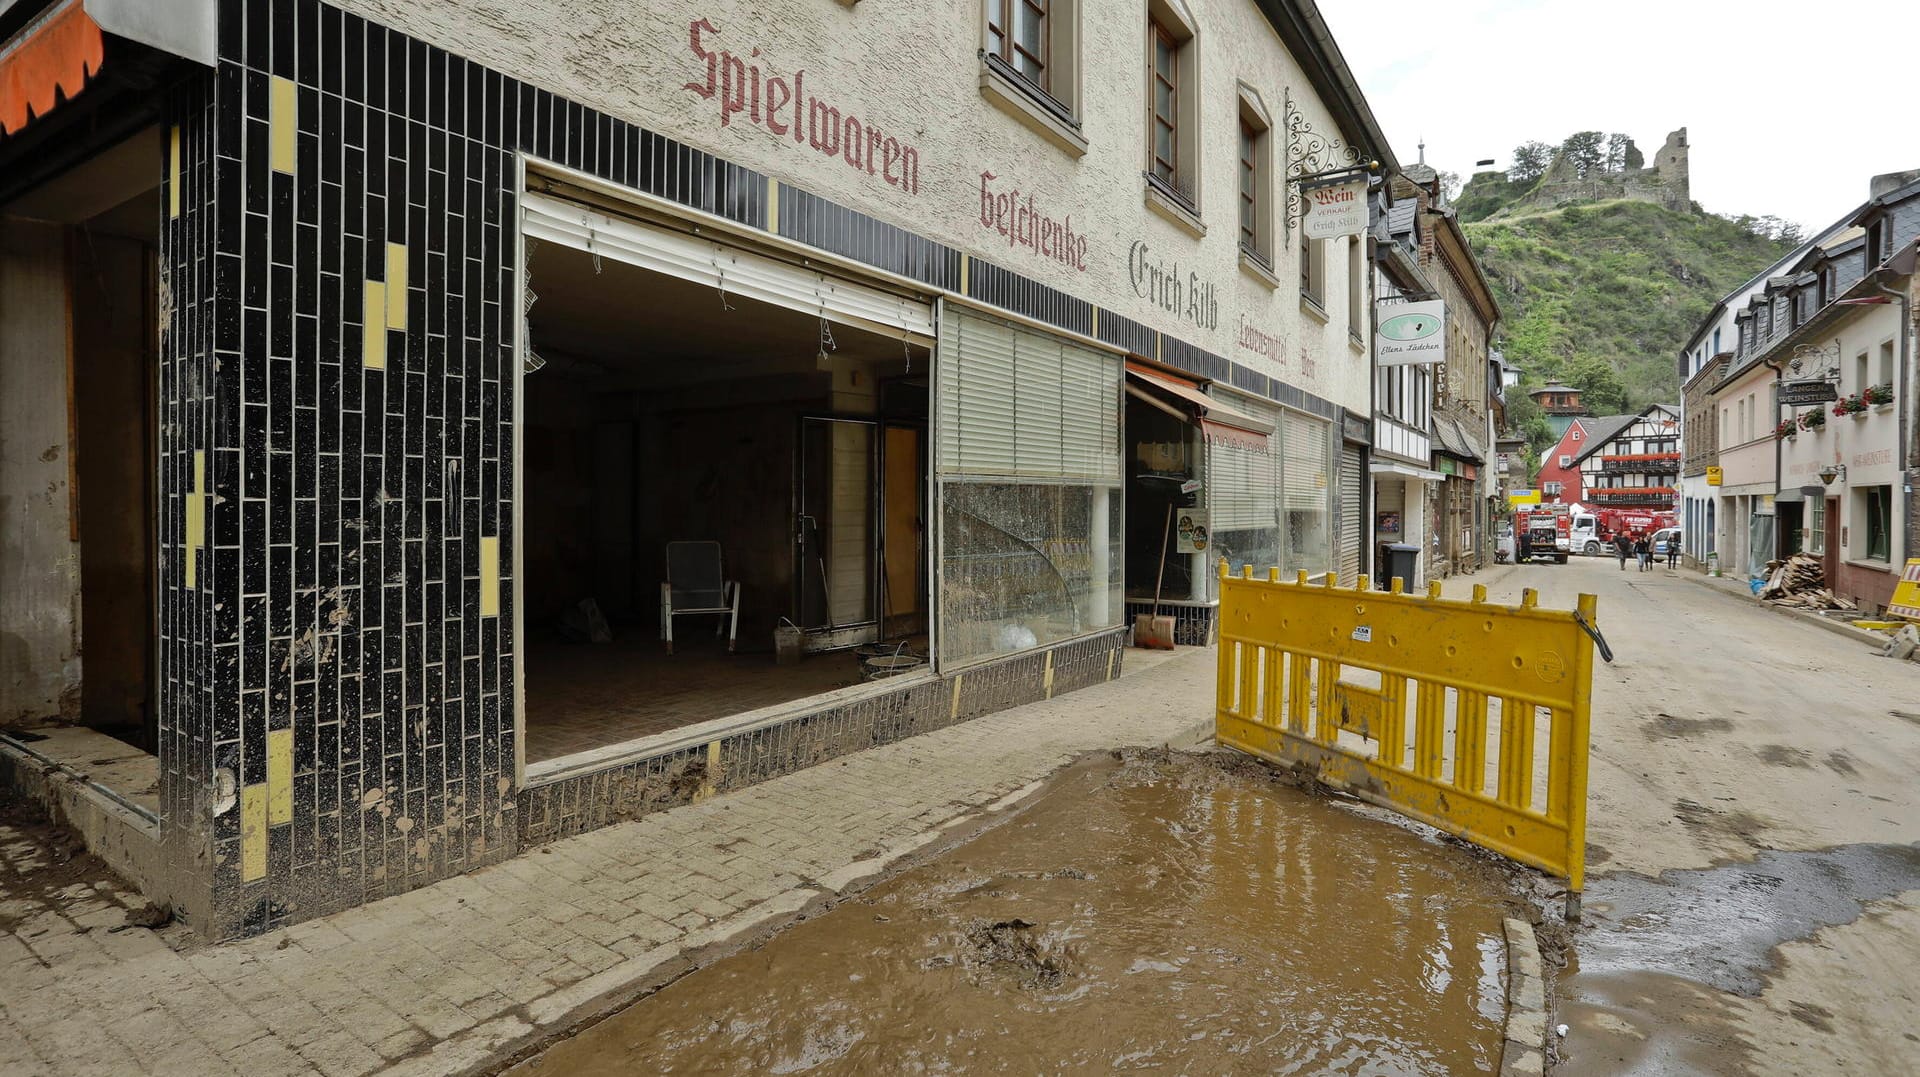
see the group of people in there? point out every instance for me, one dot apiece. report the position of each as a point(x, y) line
point(1639, 544)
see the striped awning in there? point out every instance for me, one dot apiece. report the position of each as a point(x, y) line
point(47, 61)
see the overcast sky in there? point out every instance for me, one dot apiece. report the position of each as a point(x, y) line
point(1789, 107)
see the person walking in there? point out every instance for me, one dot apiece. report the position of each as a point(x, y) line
point(1673, 552)
point(1644, 548)
point(1623, 545)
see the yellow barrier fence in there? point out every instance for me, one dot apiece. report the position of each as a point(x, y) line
point(1335, 678)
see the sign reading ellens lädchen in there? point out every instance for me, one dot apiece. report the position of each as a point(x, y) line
point(1409, 333)
point(1335, 209)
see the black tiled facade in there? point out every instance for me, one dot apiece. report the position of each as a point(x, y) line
point(337, 684)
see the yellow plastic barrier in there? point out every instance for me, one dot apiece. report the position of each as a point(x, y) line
point(1335, 678)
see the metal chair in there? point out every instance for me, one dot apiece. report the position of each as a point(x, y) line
point(696, 584)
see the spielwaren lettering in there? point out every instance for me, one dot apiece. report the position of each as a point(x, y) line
point(1024, 226)
point(784, 107)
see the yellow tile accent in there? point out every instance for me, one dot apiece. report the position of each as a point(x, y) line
point(253, 833)
point(173, 172)
point(283, 123)
point(373, 350)
point(773, 206)
point(953, 711)
point(1047, 679)
point(279, 776)
point(963, 274)
point(1096, 323)
point(397, 286)
point(490, 576)
point(196, 518)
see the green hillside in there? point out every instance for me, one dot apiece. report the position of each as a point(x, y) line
point(1603, 295)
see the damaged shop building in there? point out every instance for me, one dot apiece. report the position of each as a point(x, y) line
point(422, 443)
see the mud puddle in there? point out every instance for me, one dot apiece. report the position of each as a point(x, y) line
point(1185, 914)
point(1650, 971)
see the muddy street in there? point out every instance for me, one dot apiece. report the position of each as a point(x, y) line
point(1753, 877)
point(1173, 913)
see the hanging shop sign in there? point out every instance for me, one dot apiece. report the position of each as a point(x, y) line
point(1523, 497)
point(1410, 333)
point(1797, 393)
point(1190, 531)
point(1335, 209)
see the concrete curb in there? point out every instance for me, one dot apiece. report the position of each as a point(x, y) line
point(1858, 635)
point(1524, 1054)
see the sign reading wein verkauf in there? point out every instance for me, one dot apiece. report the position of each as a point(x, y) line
point(1335, 209)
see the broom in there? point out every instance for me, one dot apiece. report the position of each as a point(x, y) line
point(1151, 629)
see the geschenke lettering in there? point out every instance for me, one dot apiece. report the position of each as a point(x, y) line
point(1160, 283)
point(784, 107)
point(1014, 217)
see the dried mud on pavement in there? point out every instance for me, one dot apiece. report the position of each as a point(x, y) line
point(1146, 911)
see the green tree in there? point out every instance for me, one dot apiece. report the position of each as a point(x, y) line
point(1586, 149)
point(1530, 161)
point(1601, 389)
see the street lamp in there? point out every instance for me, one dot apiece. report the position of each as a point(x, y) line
point(1832, 472)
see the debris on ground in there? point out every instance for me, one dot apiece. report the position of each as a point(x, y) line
point(1800, 583)
point(1904, 643)
point(148, 915)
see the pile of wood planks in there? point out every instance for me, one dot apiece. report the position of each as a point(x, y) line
point(1799, 582)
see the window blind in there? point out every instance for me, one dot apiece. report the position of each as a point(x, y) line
point(1019, 403)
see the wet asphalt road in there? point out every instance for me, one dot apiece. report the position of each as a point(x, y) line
point(1753, 897)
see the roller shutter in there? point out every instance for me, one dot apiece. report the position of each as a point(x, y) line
point(1351, 527)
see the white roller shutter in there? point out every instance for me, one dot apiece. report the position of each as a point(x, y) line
point(1352, 524)
point(1019, 403)
point(1304, 470)
point(1242, 486)
point(738, 271)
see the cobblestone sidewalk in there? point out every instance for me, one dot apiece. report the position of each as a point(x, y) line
point(445, 978)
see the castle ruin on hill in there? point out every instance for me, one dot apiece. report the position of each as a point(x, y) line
point(1662, 181)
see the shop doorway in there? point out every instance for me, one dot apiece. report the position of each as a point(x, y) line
point(78, 288)
point(77, 333)
point(660, 410)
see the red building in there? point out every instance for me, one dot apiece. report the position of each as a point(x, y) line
point(1559, 479)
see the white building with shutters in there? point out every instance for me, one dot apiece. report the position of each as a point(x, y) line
point(512, 354)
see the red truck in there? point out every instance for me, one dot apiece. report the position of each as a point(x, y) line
point(1542, 533)
point(1594, 529)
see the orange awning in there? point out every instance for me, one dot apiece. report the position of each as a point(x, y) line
point(1217, 419)
point(53, 55)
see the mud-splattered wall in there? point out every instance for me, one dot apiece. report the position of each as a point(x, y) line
point(39, 561)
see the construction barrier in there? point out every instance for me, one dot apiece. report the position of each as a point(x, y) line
point(1333, 677)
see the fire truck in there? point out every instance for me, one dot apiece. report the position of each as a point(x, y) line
point(1594, 529)
point(1542, 533)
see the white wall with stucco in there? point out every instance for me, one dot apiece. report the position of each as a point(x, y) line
point(912, 68)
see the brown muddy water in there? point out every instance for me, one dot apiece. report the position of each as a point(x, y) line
point(1174, 913)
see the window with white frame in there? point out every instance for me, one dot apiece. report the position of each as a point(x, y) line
point(1173, 98)
point(1885, 374)
point(1873, 522)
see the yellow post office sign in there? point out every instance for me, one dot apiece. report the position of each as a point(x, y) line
point(1523, 497)
point(1713, 476)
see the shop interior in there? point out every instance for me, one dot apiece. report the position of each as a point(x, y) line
point(77, 337)
point(658, 411)
point(1162, 466)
